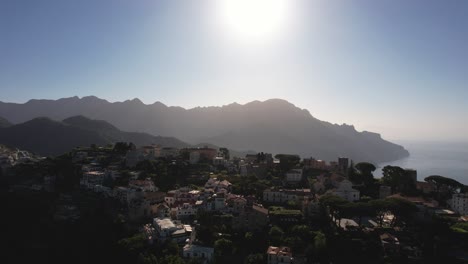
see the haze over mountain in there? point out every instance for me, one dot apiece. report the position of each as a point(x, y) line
point(48, 137)
point(4, 123)
point(275, 126)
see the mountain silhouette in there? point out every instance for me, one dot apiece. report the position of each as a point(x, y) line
point(48, 137)
point(274, 126)
point(4, 122)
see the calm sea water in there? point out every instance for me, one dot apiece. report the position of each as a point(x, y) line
point(434, 158)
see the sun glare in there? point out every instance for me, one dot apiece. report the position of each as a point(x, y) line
point(254, 20)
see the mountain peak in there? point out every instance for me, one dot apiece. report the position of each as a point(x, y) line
point(134, 101)
point(273, 126)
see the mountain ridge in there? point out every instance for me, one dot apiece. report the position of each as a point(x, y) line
point(274, 125)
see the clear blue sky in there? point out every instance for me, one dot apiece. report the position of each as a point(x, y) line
point(396, 67)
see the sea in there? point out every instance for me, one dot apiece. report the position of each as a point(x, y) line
point(449, 159)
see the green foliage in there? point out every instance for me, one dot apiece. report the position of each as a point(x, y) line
point(223, 247)
point(225, 153)
point(276, 235)
point(172, 259)
point(365, 168)
point(320, 243)
point(441, 181)
point(249, 185)
point(460, 228)
point(122, 147)
point(398, 179)
point(133, 244)
point(287, 162)
point(254, 259)
point(147, 259)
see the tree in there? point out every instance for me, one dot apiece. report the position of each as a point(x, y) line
point(441, 181)
point(401, 209)
point(254, 259)
point(223, 247)
point(334, 204)
point(225, 153)
point(276, 235)
point(172, 259)
point(147, 259)
point(365, 168)
point(398, 179)
point(123, 147)
point(380, 207)
point(133, 244)
point(320, 246)
point(287, 161)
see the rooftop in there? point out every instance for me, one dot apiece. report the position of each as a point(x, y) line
point(165, 223)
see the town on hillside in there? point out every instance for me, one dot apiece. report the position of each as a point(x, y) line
point(152, 204)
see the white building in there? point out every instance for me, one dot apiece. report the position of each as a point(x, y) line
point(279, 255)
point(91, 178)
point(294, 175)
point(219, 161)
point(184, 210)
point(281, 196)
point(200, 252)
point(345, 190)
point(146, 185)
point(459, 203)
point(167, 229)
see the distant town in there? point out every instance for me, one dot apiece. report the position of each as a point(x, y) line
point(125, 204)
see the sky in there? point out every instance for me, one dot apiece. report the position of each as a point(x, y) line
point(396, 67)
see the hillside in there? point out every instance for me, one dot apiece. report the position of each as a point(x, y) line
point(274, 126)
point(4, 122)
point(47, 137)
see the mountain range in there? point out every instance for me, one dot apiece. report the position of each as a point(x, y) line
point(45, 136)
point(274, 126)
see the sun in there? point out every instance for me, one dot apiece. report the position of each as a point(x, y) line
point(254, 19)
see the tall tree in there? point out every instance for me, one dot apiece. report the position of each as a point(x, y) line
point(440, 181)
point(398, 179)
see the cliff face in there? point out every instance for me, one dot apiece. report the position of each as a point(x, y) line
point(274, 126)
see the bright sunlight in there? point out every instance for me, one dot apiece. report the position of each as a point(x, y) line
point(255, 20)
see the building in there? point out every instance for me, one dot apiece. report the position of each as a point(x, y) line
point(279, 255)
point(91, 178)
point(205, 254)
point(236, 203)
point(315, 164)
point(343, 164)
point(253, 218)
point(182, 195)
point(384, 191)
point(459, 203)
point(413, 174)
point(168, 152)
point(425, 187)
point(146, 185)
point(294, 175)
point(197, 154)
point(219, 161)
point(166, 229)
point(346, 191)
point(281, 196)
point(184, 211)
